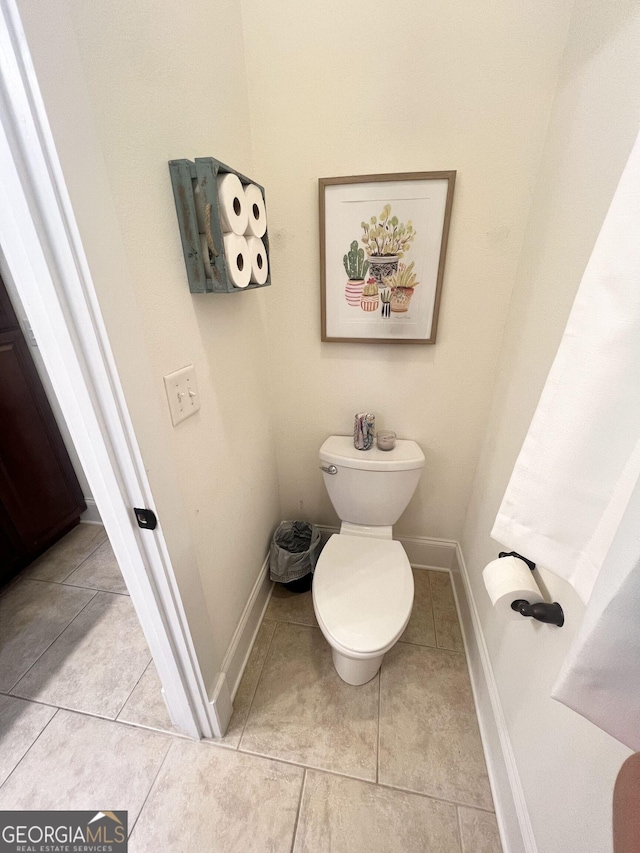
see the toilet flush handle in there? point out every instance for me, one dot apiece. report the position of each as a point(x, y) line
point(329, 469)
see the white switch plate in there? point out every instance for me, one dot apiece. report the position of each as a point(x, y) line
point(182, 393)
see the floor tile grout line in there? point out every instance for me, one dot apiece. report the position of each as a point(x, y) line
point(30, 747)
point(84, 559)
point(459, 825)
point(144, 727)
point(77, 586)
point(253, 695)
point(432, 648)
point(151, 786)
point(97, 589)
point(295, 825)
point(457, 616)
point(302, 625)
point(384, 785)
point(94, 716)
point(433, 613)
point(57, 637)
point(133, 688)
point(17, 577)
point(407, 642)
point(291, 622)
point(379, 712)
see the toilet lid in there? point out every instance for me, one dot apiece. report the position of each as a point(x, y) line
point(363, 591)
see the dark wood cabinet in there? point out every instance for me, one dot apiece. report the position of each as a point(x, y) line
point(40, 497)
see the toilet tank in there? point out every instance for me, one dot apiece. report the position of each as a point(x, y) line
point(370, 487)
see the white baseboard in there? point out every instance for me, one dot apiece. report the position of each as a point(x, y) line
point(91, 514)
point(508, 796)
point(244, 636)
point(429, 553)
point(221, 705)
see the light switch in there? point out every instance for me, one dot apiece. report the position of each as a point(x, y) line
point(182, 393)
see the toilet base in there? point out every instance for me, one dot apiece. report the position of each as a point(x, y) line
point(356, 671)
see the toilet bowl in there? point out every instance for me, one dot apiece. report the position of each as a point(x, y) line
point(362, 597)
point(363, 584)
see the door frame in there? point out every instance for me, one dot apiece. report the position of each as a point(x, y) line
point(46, 260)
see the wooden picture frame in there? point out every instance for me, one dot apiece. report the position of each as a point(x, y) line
point(383, 244)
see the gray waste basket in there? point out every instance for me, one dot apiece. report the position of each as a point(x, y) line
point(294, 551)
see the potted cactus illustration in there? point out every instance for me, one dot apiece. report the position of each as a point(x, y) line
point(370, 296)
point(402, 284)
point(356, 267)
point(386, 240)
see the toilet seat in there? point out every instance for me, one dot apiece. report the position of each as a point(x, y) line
point(362, 594)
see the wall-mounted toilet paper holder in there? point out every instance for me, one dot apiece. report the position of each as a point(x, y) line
point(207, 256)
point(552, 614)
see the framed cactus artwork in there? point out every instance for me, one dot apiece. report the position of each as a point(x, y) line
point(383, 244)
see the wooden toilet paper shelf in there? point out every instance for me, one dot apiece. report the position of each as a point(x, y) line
point(205, 171)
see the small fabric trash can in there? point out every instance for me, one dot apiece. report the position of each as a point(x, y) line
point(294, 552)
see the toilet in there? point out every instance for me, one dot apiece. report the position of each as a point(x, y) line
point(363, 584)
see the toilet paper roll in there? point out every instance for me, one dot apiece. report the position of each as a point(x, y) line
point(259, 262)
point(508, 579)
point(199, 199)
point(232, 205)
point(236, 252)
point(256, 211)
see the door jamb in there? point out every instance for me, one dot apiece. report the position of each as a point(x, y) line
point(44, 254)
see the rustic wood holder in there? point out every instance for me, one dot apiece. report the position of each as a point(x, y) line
point(204, 171)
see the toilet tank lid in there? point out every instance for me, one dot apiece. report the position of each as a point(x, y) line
point(339, 450)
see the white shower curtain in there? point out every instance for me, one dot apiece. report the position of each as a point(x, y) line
point(600, 678)
point(572, 504)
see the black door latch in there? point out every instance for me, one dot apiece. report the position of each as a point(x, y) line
point(146, 518)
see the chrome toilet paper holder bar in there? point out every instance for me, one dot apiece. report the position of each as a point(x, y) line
point(542, 611)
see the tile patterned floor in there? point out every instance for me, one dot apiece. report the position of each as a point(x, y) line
point(95, 663)
point(319, 766)
point(69, 636)
point(303, 712)
point(59, 562)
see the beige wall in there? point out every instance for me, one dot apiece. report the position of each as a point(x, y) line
point(145, 76)
point(595, 119)
point(343, 88)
